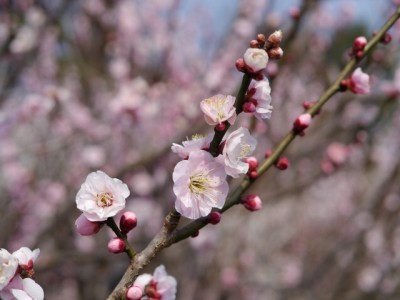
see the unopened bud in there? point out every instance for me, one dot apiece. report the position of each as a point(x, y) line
point(240, 65)
point(116, 245)
point(86, 227)
point(127, 222)
point(220, 126)
point(254, 44)
point(268, 153)
point(386, 39)
point(359, 44)
point(294, 12)
point(249, 107)
point(252, 202)
point(134, 293)
point(275, 53)
point(307, 104)
point(275, 39)
point(261, 38)
point(214, 217)
point(253, 174)
point(253, 163)
point(282, 163)
point(302, 122)
point(359, 54)
point(255, 59)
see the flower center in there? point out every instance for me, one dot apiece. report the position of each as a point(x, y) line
point(197, 136)
point(245, 150)
point(104, 199)
point(198, 183)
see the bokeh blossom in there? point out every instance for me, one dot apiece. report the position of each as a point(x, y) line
point(101, 196)
point(199, 185)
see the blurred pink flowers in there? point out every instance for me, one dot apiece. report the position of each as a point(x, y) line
point(359, 82)
point(101, 196)
point(238, 146)
point(218, 109)
point(199, 185)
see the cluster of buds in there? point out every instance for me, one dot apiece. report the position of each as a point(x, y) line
point(253, 166)
point(256, 57)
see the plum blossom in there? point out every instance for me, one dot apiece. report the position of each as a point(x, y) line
point(255, 59)
point(160, 285)
point(101, 196)
point(359, 82)
point(218, 109)
point(260, 92)
point(22, 289)
point(198, 142)
point(238, 146)
point(26, 257)
point(199, 185)
point(8, 267)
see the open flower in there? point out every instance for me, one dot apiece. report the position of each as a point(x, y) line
point(199, 185)
point(255, 59)
point(359, 82)
point(8, 267)
point(198, 142)
point(22, 289)
point(160, 285)
point(26, 257)
point(238, 146)
point(218, 109)
point(101, 196)
point(260, 92)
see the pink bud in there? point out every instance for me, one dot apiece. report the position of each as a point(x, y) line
point(268, 153)
point(275, 53)
point(294, 12)
point(307, 104)
point(282, 163)
point(214, 217)
point(261, 38)
point(275, 39)
point(252, 174)
point(359, 43)
point(359, 82)
point(254, 44)
point(116, 245)
point(386, 39)
point(249, 107)
point(302, 122)
point(253, 163)
point(134, 293)
point(220, 126)
point(252, 202)
point(86, 227)
point(127, 222)
point(240, 65)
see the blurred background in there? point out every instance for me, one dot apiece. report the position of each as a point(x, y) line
point(102, 84)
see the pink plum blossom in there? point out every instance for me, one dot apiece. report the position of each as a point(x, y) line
point(116, 245)
point(218, 109)
point(8, 267)
point(101, 196)
point(26, 257)
point(22, 289)
point(238, 146)
point(198, 142)
point(86, 227)
point(160, 285)
point(252, 202)
point(255, 59)
point(359, 82)
point(128, 221)
point(199, 185)
point(261, 98)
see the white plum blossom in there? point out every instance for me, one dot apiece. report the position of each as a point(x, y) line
point(8, 267)
point(198, 142)
point(255, 59)
point(26, 257)
point(359, 82)
point(261, 98)
point(160, 285)
point(199, 185)
point(101, 196)
point(22, 289)
point(218, 109)
point(238, 146)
